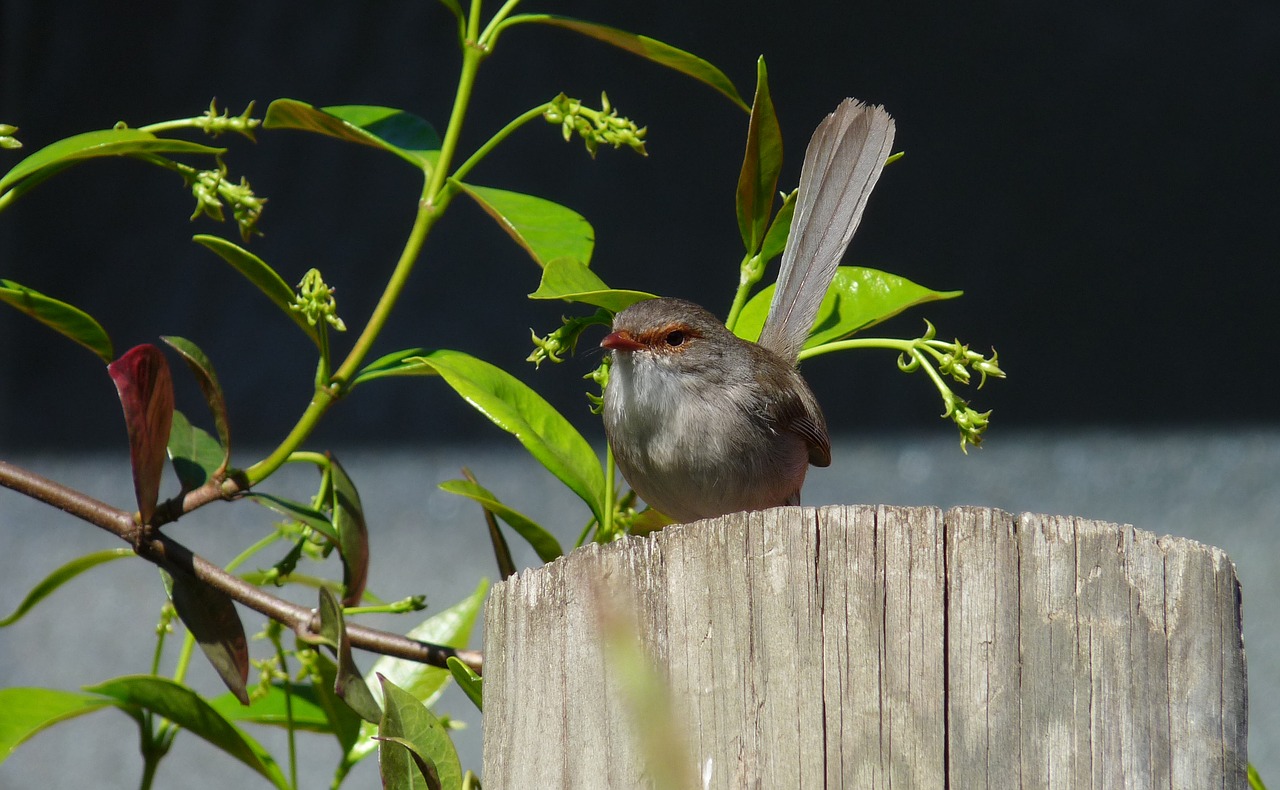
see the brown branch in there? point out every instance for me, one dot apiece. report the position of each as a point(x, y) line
point(156, 547)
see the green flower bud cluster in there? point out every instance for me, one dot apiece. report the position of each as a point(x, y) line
point(595, 127)
point(316, 303)
point(214, 123)
point(7, 139)
point(211, 188)
point(565, 339)
point(954, 359)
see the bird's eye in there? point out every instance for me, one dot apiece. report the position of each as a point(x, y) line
point(675, 338)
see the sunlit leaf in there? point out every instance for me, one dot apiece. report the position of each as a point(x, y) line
point(403, 134)
point(572, 281)
point(353, 533)
point(72, 322)
point(207, 379)
point(196, 456)
point(91, 145)
point(145, 387)
point(61, 576)
point(407, 718)
point(545, 230)
point(449, 628)
point(27, 711)
point(276, 708)
point(261, 275)
point(471, 684)
point(857, 299)
point(761, 164)
point(650, 49)
point(349, 684)
point(211, 617)
point(543, 542)
point(188, 710)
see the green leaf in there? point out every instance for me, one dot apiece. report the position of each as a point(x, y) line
point(353, 533)
point(857, 299)
point(572, 281)
point(775, 241)
point(187, 709)
point(407, 718)
point(272, 708)
point(544, 229)
point(543, 542)
point(648, 48)
point(471, 684)
point(523, 413)
point(397, 363)
point(393, 775)
point(61, 576)
point(196, 456)
point(299, 512)
point(761, 165)
point(145, 387)
point(27, 711)
point(211, 617)
point(203, 370)
point(59, 316)
point(450, 628)
point(349, 684)
point(91, 145)
point(263, 276)
point(403, 134)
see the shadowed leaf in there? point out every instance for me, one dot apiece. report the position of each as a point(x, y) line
point(349, 684)
point(202, 368)
point(761, 164)
point(471, 684)
point(196, 456)
point(61, 576)
point(572, 281)
point(71, 322)
point(146, 393)
point(353, 533)
point(212, 619)
point(261, 275)
point(273, 709)
point(545, 230)
point(422, 733)
point(187, 709)
point(543, 542)
point(650, 49)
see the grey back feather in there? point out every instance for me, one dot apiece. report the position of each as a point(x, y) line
point(841, 167)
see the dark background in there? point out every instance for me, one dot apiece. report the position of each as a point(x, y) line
point(1100, 178)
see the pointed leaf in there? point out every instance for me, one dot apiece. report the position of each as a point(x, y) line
point(299, 512)
point(857, 299)
point(349, 685)
point(397, 363)
point(263, 276)
point(407, 718)
point(196, 456)
point(202, 368)
point(353, 533)
point(393, 775)
point(403, 134)
point(146, 393)
point(760, 166)
point(345, 723)
point(572, 281)
point(27, 711)
point(187, 709)
point(90, 145)
point(212, 619)
point(775, 241)
point(543, 542)
point(520, 411)
point(648, 48)
point(61, 576)
point(59, 316)
point(278, 709)
point(451, 628)
point(471, 684)
point(544, 229)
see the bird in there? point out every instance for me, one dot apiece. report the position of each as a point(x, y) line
point(703, 423)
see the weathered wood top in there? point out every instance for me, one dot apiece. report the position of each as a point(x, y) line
point(872, 647)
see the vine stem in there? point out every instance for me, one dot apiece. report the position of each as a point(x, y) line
point(160, 549)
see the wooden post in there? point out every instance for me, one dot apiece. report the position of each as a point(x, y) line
point(858, 646)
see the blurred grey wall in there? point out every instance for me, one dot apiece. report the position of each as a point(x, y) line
point(1098, 177)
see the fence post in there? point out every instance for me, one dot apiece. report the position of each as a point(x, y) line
point(864, 646)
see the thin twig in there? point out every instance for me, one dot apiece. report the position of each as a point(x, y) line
point(158, 548)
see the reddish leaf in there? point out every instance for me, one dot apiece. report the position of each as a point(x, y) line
point(212, 619)
point(146, 393)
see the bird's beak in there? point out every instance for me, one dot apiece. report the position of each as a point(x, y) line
point(621, 341)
